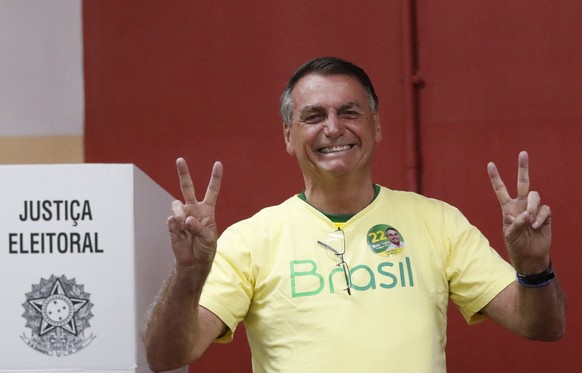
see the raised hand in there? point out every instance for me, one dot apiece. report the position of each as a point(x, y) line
point(192, 225)
point(526, 223)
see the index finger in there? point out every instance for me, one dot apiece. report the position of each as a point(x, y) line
point(186, 185)
point(497, 183)
point(214, 184)
point(522, 175)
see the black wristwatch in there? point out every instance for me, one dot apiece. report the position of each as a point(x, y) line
point(538, 280)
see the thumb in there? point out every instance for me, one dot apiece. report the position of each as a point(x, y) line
point(205, 235)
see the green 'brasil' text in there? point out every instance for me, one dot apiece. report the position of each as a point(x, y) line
point(307, 281)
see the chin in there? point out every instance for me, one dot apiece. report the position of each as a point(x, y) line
point(338, 170)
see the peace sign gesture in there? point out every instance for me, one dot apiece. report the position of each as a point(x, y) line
point(192, 225)
point(526, 223)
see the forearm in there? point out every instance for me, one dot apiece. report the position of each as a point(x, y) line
point(541, 311)
point(534, 313)
point(540, 302)
point(172, 329)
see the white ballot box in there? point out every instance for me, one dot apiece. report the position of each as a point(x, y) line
point(84, 249)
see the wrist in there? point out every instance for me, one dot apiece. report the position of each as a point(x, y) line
point(537, 280)
point(193, 276)
point(531, 266)
point(193, 270)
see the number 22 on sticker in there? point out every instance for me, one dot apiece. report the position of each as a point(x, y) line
point(377, 236)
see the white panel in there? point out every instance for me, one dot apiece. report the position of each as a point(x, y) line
point(153, 254)
point(91, 319)
point(41, 68)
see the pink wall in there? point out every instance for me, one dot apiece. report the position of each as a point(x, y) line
point(202, 80)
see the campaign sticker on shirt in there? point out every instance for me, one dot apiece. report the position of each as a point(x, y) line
point(385, 240)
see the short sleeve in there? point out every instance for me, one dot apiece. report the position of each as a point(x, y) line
point(228, 289)
point(476, 272)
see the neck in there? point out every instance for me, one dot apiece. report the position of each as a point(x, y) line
point(340, 197)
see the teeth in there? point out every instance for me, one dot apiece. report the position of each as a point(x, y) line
point(334, 149)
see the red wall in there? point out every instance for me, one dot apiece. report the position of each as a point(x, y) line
point(501, 77)
point(202, 80)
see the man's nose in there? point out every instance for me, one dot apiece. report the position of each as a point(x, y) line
point(333, 126)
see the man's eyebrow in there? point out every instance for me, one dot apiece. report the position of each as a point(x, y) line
point(311, 108)
point(349, 105)
point(344, 106)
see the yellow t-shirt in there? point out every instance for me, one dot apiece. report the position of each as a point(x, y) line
point(271, 272)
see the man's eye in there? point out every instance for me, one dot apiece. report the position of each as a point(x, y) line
point(351, 114)
point(312, 119)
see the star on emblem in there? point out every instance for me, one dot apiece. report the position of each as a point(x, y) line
point(58, 310)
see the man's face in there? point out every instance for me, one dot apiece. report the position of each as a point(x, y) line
point(393, 236)
point(333, 130)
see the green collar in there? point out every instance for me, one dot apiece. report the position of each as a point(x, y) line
point(343, 217)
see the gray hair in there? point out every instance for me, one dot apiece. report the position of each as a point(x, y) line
point(325, 66)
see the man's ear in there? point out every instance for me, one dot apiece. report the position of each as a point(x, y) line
point(377, 128)
point(288, 140)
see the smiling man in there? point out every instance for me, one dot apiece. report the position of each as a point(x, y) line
point(333, 133)
point(312, 278)
point(394, 238)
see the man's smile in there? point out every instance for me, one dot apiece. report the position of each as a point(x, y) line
point(335, 149)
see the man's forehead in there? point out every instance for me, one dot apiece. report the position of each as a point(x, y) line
point(316, 90)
